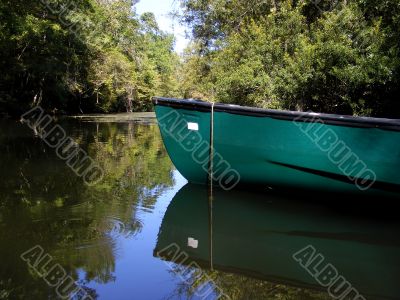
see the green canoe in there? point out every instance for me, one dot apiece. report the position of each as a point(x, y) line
point(242, 233)
point(280, 149)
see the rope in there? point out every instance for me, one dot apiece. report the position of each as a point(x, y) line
point(211, 161)
point(210, 187)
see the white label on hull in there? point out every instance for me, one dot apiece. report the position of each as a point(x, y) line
point(193, 243)
point(193, 126)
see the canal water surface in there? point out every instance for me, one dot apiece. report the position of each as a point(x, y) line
point(143, 232)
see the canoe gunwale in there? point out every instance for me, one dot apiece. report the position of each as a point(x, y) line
point(329, 119)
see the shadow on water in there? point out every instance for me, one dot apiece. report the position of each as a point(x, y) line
point(43, 202)
point(249, 240)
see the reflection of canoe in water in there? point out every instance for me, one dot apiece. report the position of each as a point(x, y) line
point(281, 148)
point(257, 238)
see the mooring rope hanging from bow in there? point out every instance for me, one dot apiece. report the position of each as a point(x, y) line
point(211, 152)
point(210, 186)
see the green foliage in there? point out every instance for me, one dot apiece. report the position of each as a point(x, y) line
point(330, 56)
point(90, 55)
point(43, 202)
point(100, 56)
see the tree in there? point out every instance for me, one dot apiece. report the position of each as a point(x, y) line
point(83, 56)
point(330, 56)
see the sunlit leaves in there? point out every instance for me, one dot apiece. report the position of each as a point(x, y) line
point(83, 56)
point(329, 56)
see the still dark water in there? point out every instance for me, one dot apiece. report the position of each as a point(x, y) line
point(144, 233)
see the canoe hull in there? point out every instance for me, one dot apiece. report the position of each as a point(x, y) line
point(279, 153)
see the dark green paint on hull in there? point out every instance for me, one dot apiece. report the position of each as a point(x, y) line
point(279, 149)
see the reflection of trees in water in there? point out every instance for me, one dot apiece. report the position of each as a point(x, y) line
point(43, 202)
point(238, 286)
